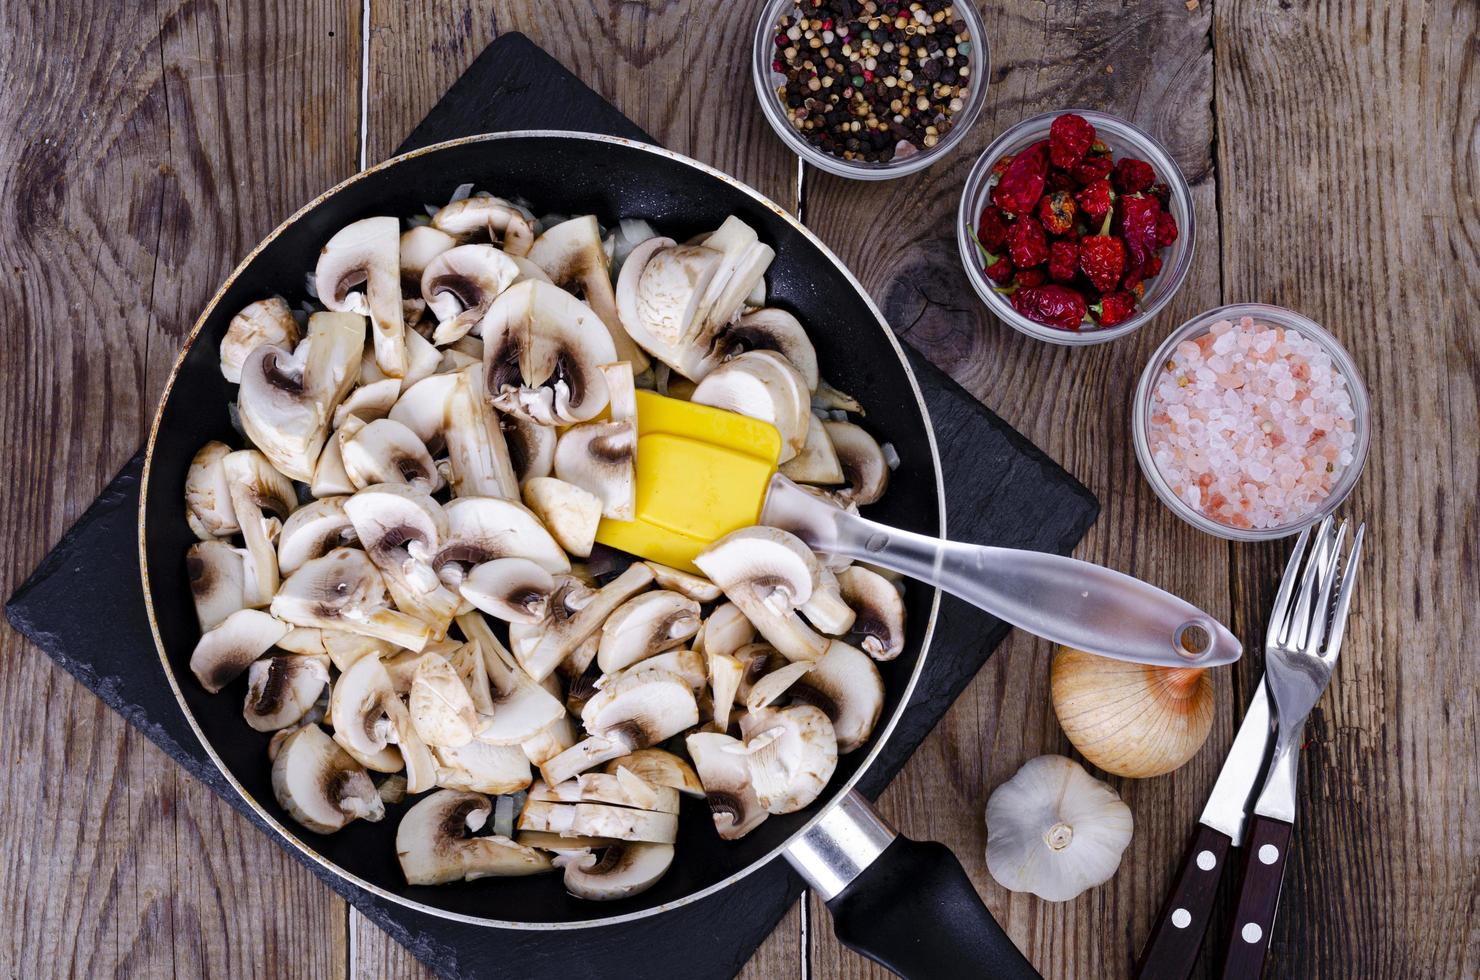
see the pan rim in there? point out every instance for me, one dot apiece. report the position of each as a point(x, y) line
point(312, 855)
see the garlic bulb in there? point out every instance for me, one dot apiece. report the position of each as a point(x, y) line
point(1131, 719)
point(1054, 830)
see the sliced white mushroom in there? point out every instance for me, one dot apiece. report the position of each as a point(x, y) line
point(550, 741)
point(329, 476)
point(255, 487)
point(217, 581)
point(601, 458)
point(645, 625)
point(422, 408)
point(441, 708)
point(287, 398)
point(683, 663)
point(724, 682)
point(660, 768)
point(345, 649)
point(817, 462)
point(725, 631)
point(772, 329)
point(369, 401)
point(598, 820)
point(403, 529)
point(744, 263)
point(420, 244)
point(480, 529)
point(367, 714)
point(825, 608)
point(267, 321)
point(531, 447)
point(281, 689)
point(515, 590)
point(624, 869)
point(571, 513)
point(575, 613)
point(560, 844)
point(224, 652)
point(542, 353)
point(694, 586)
point(570, 254)
point(775, 683)
point(757, 660)
point(829, 399)
point(434, 842)
point(306, 640)
point(490, 217)
point(721, 764)
point(359, 271)
point(476, 452)
point(320, 785)
point(762, 385)
point(636, 712)
point(845, 684)
point(459, 286)
point(344, 591)
point(520, 712)
point(769, 574)
point(791, 754)
point(480, 767)
point(862, 460)
point(385, 451)
point(621, 390)
point(624, 788)
point(208, 508)
point(312, 531)
point(879, 610)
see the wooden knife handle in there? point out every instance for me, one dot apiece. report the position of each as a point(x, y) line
point(1171, 952)
point(1258, 897)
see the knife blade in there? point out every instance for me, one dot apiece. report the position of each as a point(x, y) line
point(1227, 808)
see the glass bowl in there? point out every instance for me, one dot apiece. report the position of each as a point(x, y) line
point(1124, 139)
point(978, 60)
point(1274, 316)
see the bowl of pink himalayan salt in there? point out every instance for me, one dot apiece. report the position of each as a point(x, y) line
point(1251, 422)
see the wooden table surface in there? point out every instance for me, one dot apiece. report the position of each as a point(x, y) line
point(1334, 154)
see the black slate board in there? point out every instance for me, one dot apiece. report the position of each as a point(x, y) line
point(1002, 490)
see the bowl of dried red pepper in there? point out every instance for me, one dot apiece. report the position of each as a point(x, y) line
point(1076, 227)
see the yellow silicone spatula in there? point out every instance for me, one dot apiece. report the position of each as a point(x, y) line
point(703, 472)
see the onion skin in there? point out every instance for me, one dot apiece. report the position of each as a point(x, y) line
point(1131, 719)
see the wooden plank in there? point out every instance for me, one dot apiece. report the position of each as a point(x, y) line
point(145, 152)
point(1347, 164)
point(899, 238)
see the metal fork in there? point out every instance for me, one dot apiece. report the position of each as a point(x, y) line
point(1300, 651)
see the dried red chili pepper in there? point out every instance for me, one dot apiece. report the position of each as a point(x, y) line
point(1095, 199)
point(1092, 168)
point(1000, 167)
point(1063, 260)
point(1059, 180)
point(1133, 176)
point(1166, 229)
point(1138, 220)
point(1069, 139)
point(991, 230)
point(1026, 242)
point(1113, 308)
point(1053, 305)
point(1102, 258)
point(1056, 212)
point(1032, 277)
point(998, 268)
point(1151, 267)
point(1022, 183)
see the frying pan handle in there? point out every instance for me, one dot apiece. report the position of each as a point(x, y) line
point(905, 904)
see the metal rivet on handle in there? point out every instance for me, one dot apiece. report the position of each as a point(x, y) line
point(1269, 854)
point(1193, 640)
point(1252, 933)
point(1181, 918)
point(1206, 861)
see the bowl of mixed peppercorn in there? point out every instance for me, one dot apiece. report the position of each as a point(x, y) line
point(870, 89)
point(1076, 227)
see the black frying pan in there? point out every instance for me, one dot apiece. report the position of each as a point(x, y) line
point(836, 843)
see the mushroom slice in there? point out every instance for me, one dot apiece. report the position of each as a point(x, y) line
point(598, 820)
point(217, 581)
point(658, 294)
point(720, 762)
point(847, 687)
point(344, 591)
point(531, 447)
point(306, 640)
point(744, 264)
point(420, 244)
point(256, 487)
point(480, 529)
point(385, 451)
point(660, 768)
point(726, 630)
point(491, 216)
point(571, 513)
point(552, 740)
point(829, 399)
point(684, 663)
point(312, 531)
point(601, 458)
point(459, 286)
point(724, 680)
point(267, 321)
point(561, 844)
point(623, 870)
point(515, 590)
point(519, 710)
point(476, 451)
point(818, 461)
point(482, 768)
point(769, 574)
point(346, 649)
point(422, 408)
point(624, 788)
point(763, 385)
point(774, 684)
point(777, 330)
point(281, 689)
point(826, 609)
point(369, 401)
point(366, 710)
point(621, 390)
point(402, 529)
point(542, 353)
point(636, 712)
point(695, 587)
point(862, 460)
point(646, 625)
point(757, 660)
point(224, 652)
point(320, 785)
point(329, 476)
point(879, 611)
point(359, 271)
point(208, 508)
point(570, 253)
point(435, 846)
point(440, 706)
point(287, 399)
point(791, 754)
point(575, 613)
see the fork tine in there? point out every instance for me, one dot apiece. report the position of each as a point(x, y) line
point(1321, 612)
point(1281, 611)
point(1300, 619)
point(1344, 597)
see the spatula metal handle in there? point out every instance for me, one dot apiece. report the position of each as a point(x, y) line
point(1064, 600)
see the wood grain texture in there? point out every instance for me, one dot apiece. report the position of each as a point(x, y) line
point(142, 152)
